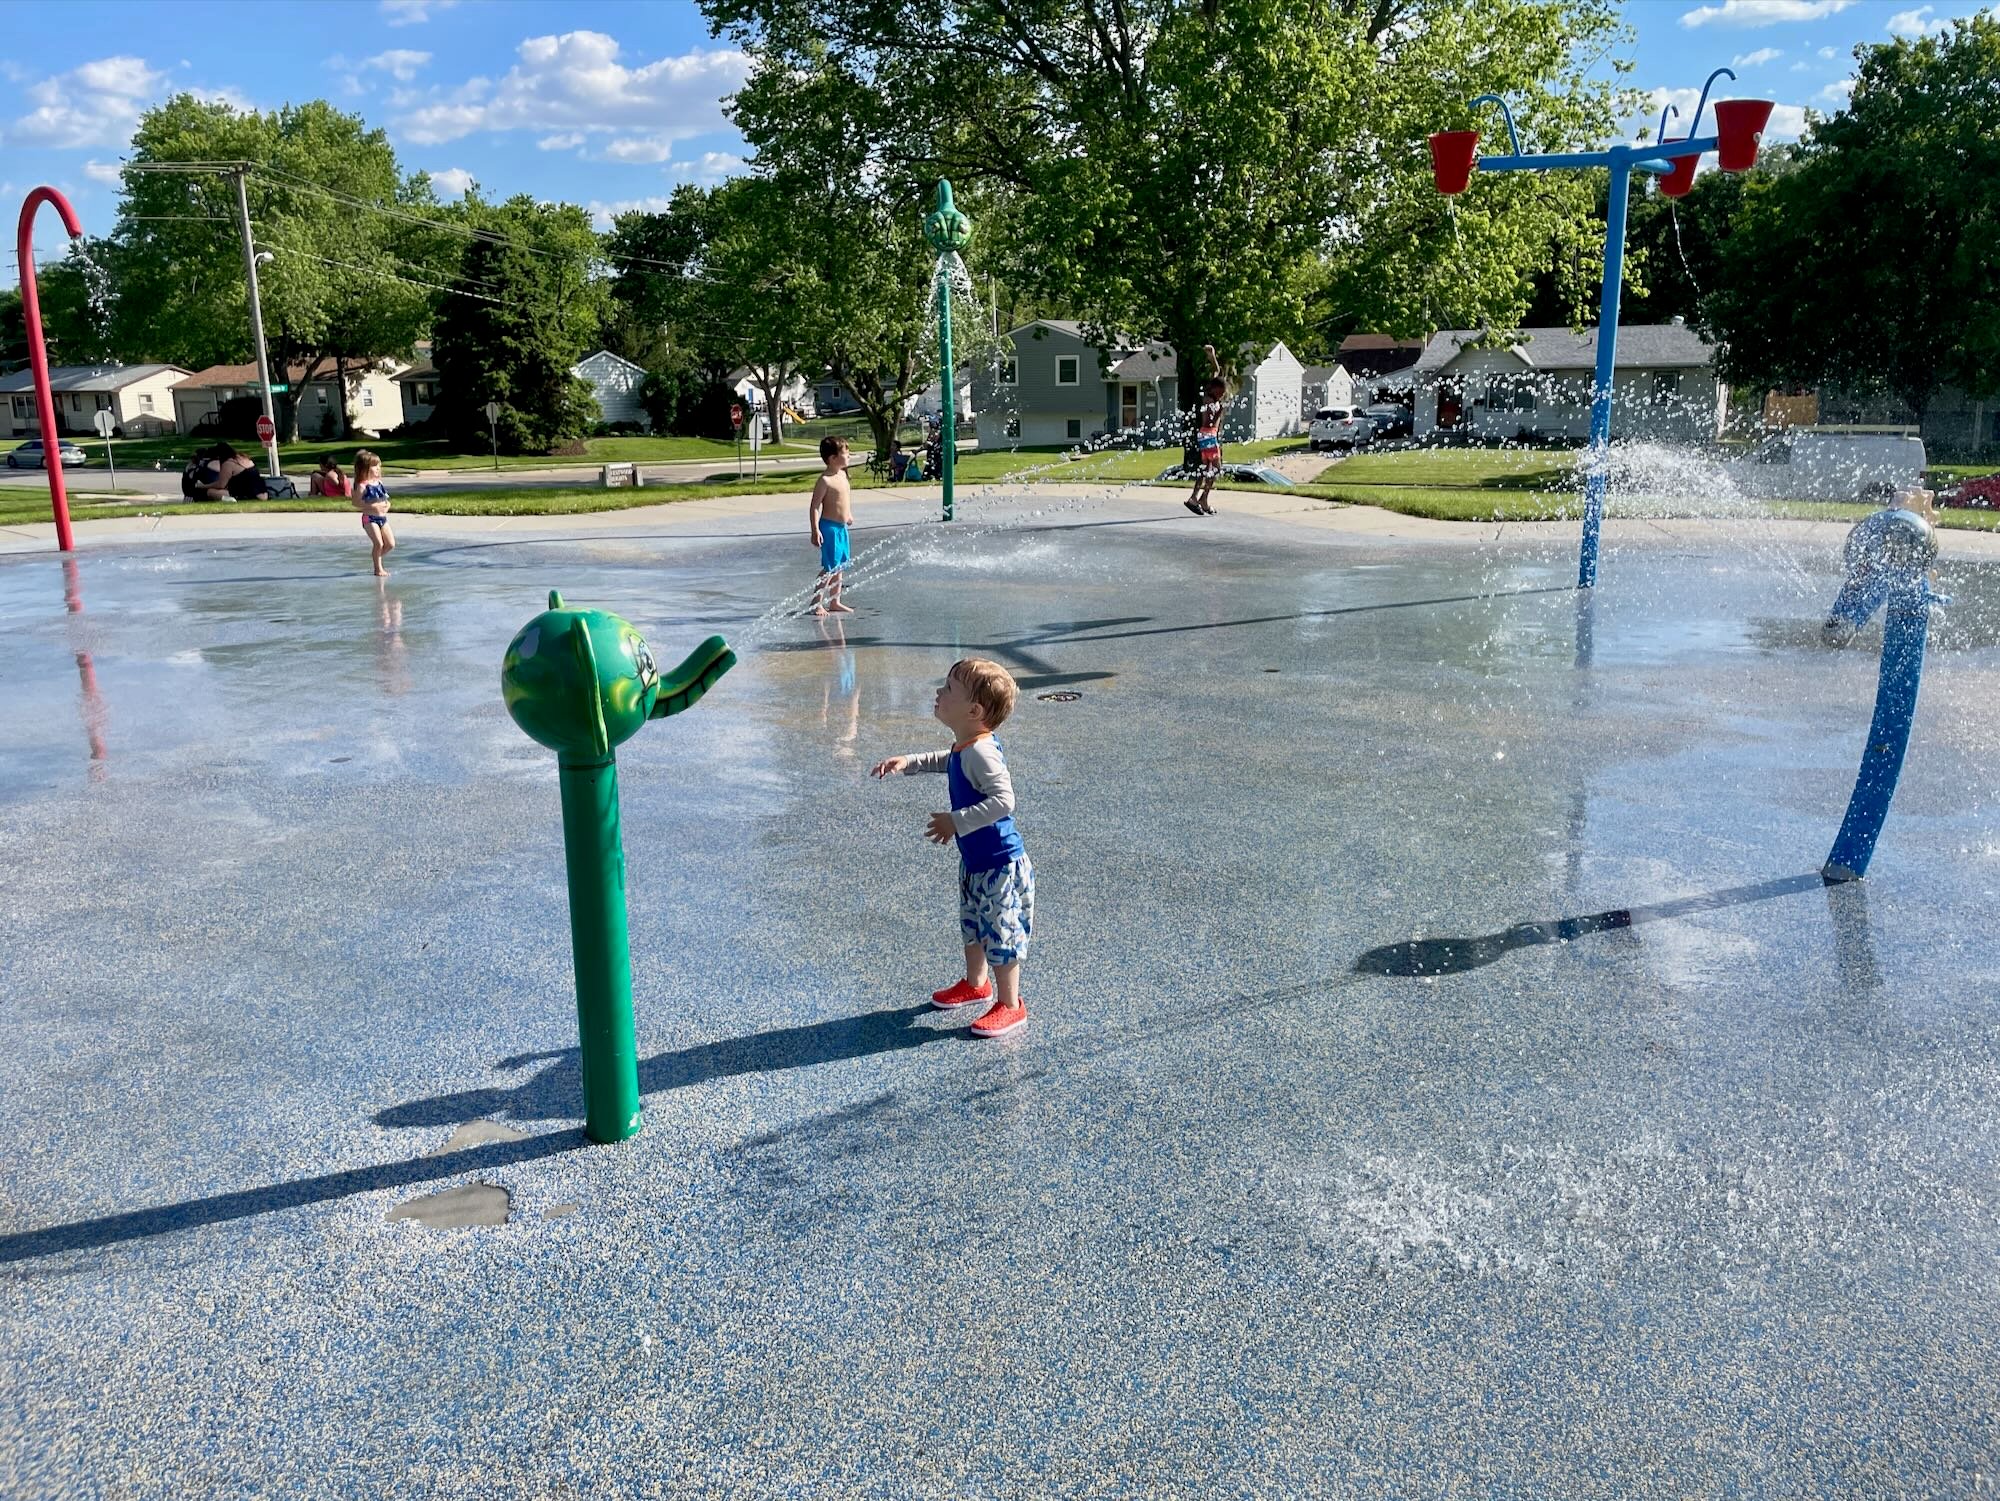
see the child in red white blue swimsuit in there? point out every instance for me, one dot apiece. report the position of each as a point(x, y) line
point(1208, 438)
point(996, 882)
point(371, 499)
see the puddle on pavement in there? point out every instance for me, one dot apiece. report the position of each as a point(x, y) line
point(457, 1208)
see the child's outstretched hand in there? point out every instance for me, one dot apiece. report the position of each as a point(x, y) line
point(889, 767)
point(940, 830)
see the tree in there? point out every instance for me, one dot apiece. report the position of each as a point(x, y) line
point(353, 241)
point(1874, 264)
point(1196, 171)
point(514, 340)
point(13, 333)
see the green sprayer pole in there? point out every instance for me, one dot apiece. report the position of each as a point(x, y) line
point(949, 458)
point(594, 851)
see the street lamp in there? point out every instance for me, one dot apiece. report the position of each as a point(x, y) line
point(1739, 123)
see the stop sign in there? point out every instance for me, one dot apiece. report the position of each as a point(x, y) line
point(266, 430)
point(736, 413)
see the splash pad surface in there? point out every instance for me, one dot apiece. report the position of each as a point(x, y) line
point(1441, 1077)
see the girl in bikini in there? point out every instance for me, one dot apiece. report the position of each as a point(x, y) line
point(371, 499)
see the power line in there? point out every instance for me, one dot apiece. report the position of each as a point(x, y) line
point(391, 276)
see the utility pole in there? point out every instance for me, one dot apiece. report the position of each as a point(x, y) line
point(241, 173)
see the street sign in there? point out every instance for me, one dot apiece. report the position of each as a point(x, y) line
point(266, 430)
point(104, 422)
point(278, 390)
point(736, 413)
point(492, 411)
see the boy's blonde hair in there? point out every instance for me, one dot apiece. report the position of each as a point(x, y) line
point(991, 686)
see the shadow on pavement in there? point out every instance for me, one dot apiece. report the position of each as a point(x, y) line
point(556, 1093)
point(1452, 956)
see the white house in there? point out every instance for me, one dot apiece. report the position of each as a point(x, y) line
point(1324, 386)
point(139, 398)
point(615, 382)
point(929, 402)
point(373, 405)
point(796, 392)
point(1267, 405)
point(1536, 382)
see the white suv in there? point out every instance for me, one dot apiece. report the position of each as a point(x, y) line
point(1340, 427)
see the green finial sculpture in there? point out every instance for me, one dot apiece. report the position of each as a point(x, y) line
point(948, 232)
point(582, 682)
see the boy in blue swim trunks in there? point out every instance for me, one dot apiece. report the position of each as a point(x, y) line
point(996, 884)
point(828, 515)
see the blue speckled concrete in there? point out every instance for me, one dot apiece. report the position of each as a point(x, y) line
point(1665, 1174)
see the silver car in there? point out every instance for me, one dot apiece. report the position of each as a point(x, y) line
point(29, 455)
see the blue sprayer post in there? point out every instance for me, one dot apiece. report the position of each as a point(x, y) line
point(1888, 557)
point(948, 231)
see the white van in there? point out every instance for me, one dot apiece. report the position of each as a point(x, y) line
point(1831, 463)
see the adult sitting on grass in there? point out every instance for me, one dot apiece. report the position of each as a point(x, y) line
point(221, 473)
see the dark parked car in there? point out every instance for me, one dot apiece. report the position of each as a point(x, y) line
point(29, 455)
point(1242, 474)
point(1391, 421)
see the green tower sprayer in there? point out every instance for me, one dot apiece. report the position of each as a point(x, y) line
point(948, 232)
point(582, 682)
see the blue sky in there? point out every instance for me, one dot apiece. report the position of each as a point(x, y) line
point(612, 103)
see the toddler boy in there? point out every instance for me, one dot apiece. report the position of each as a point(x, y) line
point(996, 883)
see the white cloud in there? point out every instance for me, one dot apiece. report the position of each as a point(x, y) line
point(601, 214)
point(1756, 59)
point(97, 104)
point(1828, 54)
point(1762, 12)
point(1801, 67)
point(639, 149)
point(400, 63)
point(713, 167)
point(1788, 121)
point(576, 82)
point(1836, 93)
point(569, 140)
point(108, 173)
point(453, 182)
point(1916, 23)
point(412, 12)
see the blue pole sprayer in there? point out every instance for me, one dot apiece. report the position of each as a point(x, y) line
point(1888, 558)
point(1454, 156)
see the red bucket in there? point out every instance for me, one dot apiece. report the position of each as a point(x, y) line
point(1452, 154)
point(1680, 175)
point(1739, 124)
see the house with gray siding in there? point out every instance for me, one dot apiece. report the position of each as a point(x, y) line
point(1058, 387)
point(1050, 390)
point(615, 383)
point(1480, 384)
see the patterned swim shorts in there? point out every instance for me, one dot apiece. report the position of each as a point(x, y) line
point(996, 909)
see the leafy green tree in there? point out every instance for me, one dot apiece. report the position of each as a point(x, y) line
point(514, 340)
point(1222, 172)
point(353, 241)
point(1874, 264)
point(13, 332)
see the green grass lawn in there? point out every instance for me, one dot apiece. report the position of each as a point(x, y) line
point(405, 455)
